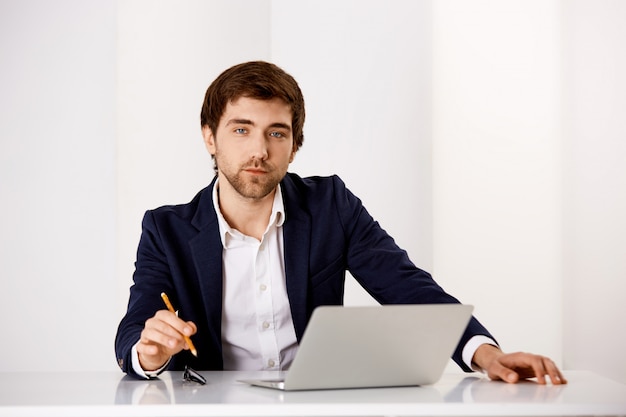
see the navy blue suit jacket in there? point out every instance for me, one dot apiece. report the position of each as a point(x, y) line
point(326, 232)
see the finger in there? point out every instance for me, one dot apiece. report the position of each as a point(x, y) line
point(160, 324)
point(149, 349)
point(162, 335)
point(181, 326)
point(498, 371)
point(539, 369)
point(530, 365)
point(166, 325)
point(159, 330)
point(150, 356)
point(554, 373)
point(194, 328)
point(549, 368)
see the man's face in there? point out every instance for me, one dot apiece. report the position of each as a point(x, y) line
point(253, 145)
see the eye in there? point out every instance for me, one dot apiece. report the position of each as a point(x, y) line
point(278, 135)
point(241, 131)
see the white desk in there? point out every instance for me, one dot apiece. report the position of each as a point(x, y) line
point(111, 394)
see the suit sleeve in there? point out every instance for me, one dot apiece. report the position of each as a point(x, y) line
point(152, 276)
point(385, 270)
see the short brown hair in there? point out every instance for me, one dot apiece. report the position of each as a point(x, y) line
point(259, 80)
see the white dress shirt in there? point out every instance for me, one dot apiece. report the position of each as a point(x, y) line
point(257, 327)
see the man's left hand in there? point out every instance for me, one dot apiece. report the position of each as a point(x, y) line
point(514, 367)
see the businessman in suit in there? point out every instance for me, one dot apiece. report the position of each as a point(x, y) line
point(255, 252)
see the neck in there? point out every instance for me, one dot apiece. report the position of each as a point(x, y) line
point(250, 216)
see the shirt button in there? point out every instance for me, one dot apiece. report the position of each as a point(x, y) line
point(271, 363)
point(266, 325)
point(263, 287)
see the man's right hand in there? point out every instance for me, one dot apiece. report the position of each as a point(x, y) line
point(161, 338)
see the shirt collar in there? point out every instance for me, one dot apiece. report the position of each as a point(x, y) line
point(277, 217)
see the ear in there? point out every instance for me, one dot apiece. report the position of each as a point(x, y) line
point(294, 150)
point(209, 139)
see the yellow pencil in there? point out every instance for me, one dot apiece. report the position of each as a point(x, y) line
point(187, 339)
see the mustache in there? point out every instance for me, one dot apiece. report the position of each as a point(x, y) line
point(256, 164)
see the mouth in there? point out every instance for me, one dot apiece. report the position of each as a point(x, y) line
point(255, 171)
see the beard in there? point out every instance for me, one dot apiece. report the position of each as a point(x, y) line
point(250, 186)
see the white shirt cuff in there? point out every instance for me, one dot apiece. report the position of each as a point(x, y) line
point(470, 348)
point(137, 367)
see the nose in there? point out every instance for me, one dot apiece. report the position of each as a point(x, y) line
point(258, 147)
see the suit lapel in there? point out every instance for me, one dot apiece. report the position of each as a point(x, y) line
point(206, 250)
point(297, 236)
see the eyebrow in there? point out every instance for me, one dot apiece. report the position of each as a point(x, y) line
point(281, 126)
point(239, 122)
point(276, 125)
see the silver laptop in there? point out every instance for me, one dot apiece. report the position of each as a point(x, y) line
point(378, 346)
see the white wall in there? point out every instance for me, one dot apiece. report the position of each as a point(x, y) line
point(57, 184)
point(365, 71)
point(594, 239)
point(497, 168)
point(484, 136)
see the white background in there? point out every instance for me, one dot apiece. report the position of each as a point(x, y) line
point(488, 137)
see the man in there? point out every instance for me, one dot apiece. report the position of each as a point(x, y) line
point(252, 255)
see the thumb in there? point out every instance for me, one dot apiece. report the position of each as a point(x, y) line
point(498, 371)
